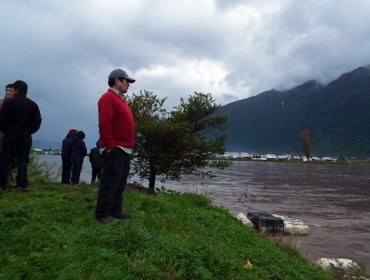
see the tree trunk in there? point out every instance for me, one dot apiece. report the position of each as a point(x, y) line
point(152, 181)
point(305, 141)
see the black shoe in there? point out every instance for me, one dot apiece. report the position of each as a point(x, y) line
point(10, 184)
point(23, 189)
point(122, 216)
point(105, 220)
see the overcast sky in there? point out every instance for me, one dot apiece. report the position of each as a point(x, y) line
point(65, 50)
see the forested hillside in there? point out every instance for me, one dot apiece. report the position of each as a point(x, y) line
point(337, 116)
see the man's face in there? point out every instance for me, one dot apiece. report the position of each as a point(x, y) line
point(9, 92)
point(122, 86)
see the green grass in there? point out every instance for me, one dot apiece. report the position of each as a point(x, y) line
point(50, 233)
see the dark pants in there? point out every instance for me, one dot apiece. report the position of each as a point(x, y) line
point(77, 162)
point(66, 169)
point(12, 165)
point(95, 173)
point(116, 167)
point(19, 149)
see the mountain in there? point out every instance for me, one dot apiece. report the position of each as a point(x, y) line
point(336, 115)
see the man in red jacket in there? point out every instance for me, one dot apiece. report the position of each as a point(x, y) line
point(116, 129)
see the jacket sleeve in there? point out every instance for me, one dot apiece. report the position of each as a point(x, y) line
point(36, 120)
point(3, 116)
point(90, 156)
point(105, 107)
point(84, 149)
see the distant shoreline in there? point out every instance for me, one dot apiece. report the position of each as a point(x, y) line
point(352, 162)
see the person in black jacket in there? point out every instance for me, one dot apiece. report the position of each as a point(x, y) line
point(66, 156)
point(78, 153)
point(9, 93)
point(96, 164)
point(19, 118)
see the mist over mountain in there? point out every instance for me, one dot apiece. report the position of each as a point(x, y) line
point(336, 115)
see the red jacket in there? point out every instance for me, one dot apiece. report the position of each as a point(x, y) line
point(116, 122)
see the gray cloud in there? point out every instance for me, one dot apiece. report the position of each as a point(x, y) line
point(233, 49)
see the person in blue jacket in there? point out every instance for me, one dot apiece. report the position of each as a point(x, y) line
point(78, 153)
point(66, 156)
point(96, 163)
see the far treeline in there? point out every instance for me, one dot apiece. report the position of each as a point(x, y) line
point(335, 117)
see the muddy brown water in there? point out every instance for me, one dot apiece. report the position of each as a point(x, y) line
point(332, 199)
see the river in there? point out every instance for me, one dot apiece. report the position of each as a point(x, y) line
point(332, 199)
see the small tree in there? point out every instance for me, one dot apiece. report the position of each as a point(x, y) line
point(208, 133)
point(305, 142)
point(176, 143)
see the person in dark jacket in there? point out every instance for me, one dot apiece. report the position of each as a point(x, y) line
point(20, 117)
point(9, 93)
point(78, 153)
point(96, 164)
point(66, 156)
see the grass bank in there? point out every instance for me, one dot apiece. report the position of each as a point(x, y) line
point(50, 233)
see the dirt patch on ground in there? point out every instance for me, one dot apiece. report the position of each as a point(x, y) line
point(140, 188)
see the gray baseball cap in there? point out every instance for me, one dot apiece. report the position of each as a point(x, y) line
point(119, 73)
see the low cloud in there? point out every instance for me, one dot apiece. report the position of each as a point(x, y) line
point(232, 49)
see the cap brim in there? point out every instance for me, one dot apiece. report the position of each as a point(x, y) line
point(130, 80)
